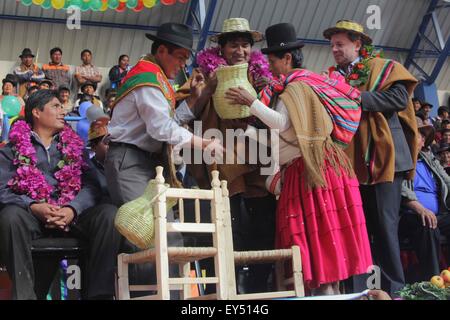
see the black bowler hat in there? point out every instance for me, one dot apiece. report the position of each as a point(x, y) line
point(427, 104)
point(11, 78)
point(281, 37)
point(47, 81)
point(88, 83)
point(26, 53)
point(175, 33)
point(443, 147)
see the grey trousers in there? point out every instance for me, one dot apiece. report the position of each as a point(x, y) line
point(128, 171)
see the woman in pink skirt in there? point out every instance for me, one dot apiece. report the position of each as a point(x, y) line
point(319, 207)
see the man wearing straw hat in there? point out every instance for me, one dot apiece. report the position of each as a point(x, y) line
point(252, 208)
point(383, 152)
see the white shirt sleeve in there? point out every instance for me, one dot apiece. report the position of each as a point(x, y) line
point(274, 119)
point(183, 114)
point(154, 109)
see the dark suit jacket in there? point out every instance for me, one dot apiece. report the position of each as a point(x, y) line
point(390, 102)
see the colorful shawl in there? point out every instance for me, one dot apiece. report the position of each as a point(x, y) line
point(146, 73)
point(372, 149)
point(342, 102)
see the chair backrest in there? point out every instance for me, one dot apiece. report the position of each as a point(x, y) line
point(220, 227)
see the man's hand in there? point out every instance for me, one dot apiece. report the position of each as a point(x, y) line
point(211, 83)
point(214, 148)
point(43, 210)
point(239, 96)
point(428, 217)
point(61, 219)
point(197, 86)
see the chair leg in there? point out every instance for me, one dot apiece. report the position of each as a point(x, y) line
point(123, 281)
point(185, 272)
point(297, 272)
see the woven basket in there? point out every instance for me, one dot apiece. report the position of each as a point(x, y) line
point(135, 219)
point(232, 77)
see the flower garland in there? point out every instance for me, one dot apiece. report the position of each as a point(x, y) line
point(209, 60)
point(30, 181)
point(361, 70)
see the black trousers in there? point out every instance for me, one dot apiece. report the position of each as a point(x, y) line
point(253, 227)
point(382, 210)
point(18, 228)
point(425, 242)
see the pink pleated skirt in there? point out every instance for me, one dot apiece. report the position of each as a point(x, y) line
point(328, 225)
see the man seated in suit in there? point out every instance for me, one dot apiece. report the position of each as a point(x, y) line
point(47, 189)
point(426, 204)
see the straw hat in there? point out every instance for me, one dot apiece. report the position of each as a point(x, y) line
point(347, 26)
point(98, 129)
point(238, 25)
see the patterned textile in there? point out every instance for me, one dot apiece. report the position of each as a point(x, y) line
point(342, 101)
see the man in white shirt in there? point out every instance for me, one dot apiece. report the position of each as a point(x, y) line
point(145, 124)
point(144, 118)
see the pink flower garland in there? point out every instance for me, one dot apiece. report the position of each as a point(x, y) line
point(31, 181)
point(209, 60)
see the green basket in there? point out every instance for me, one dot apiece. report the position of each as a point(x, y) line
point(135, 219)
point(232, 77)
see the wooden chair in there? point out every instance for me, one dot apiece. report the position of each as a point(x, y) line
point(222, 251)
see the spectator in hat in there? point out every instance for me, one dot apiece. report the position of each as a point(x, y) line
point(445, 124)
point(64, 98)
point(118, 72)
point(55, 70)
point(443, 113)
point(31, 90)
point(98, 130)
point(28, 73)
point(88, 89)
point(46, 84)
point(443, 154)
point(425, 206)
point(426, 109)
point(445, 136)
point(87, 72)
point(110, 99)
point(9, 85)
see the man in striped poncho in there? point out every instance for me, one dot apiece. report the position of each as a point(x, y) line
point(384, 149)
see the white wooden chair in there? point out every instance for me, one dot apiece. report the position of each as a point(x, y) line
point(222, 251)
point(162, 255)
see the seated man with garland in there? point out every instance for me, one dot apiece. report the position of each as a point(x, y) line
point(47, 189)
